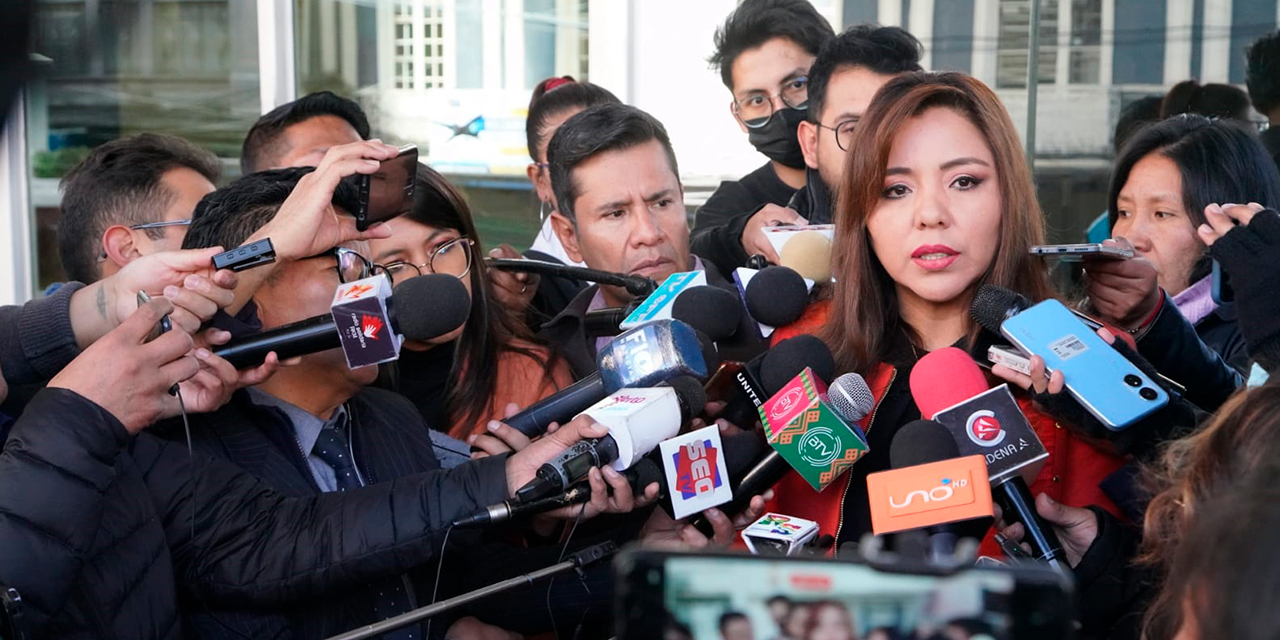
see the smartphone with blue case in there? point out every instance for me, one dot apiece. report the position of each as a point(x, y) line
point(1103, 381)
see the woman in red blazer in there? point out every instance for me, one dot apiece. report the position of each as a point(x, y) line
point(936, 200)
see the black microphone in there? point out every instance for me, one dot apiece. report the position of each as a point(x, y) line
point(639, 476)
point(600, 323)
point(638, 286)
point(420, 308)
point(762, 376)
point(777, 296)
point(924, 442)
point(709, 309)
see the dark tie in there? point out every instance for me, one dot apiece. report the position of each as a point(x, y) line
point(388, 596)
point(331, 447)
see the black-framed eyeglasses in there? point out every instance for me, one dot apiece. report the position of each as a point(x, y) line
point(352, 266)
point(756, 108)
point(161, 224)
point(452, 258)
point(844, 133)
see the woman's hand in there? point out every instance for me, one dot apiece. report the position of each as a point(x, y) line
point(501, 437)
point(1124, 293)
point(1222, 218)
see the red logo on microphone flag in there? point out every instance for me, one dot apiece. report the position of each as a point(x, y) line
point(694, 466)
point(983, 428)
point(370, 325)
point(986, 427)
point(697, 469)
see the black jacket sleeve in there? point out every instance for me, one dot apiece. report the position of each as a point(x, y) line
point(57, 463)
point(36, 339)
point(1174, 348)
point(1113, 589)
point(236, 542)
point(718, 226)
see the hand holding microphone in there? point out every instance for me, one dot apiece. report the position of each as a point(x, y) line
point(1076, 528)
point(770, 215)
point(610, 490)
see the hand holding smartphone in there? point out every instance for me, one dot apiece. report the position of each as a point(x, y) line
point(1077, 252)
point(388, 192)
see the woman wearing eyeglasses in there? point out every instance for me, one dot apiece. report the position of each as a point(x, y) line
point(465, 378)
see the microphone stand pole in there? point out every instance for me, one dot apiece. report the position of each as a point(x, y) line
point(577, 561)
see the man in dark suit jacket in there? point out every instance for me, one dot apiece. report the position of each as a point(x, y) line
point(315, 426)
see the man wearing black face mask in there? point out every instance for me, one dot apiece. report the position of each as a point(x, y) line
point(763, 51)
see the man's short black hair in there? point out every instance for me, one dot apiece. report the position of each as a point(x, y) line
point(119, 183)
point(606, 127)
point(1262, 74)
point(729, 616)
point(228, 216)
point(756, 22)
point(882, 50)
point(266, 136)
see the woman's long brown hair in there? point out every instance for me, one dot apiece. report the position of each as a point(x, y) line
point(865, 310)
point(1242, 437)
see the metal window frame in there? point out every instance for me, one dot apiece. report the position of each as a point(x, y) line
point(277, 67)
point(18, 283)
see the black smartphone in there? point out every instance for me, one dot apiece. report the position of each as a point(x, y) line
point(687, 595)
point(388, 192)
point(1220, 285)
point(162, 326)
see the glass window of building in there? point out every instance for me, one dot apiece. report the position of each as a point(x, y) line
point(112, 68)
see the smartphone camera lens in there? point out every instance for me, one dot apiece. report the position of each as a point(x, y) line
point(1148, 393)
point(1132, 380)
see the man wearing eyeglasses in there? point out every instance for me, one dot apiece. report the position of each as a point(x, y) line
point(844, 78)
point(317, 426)
point(763, 52)
point(130, 198)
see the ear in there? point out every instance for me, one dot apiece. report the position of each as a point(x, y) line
point(567, 234)
point(737, 119)
point(808, 132)
point(532, 171)
point(117, 243)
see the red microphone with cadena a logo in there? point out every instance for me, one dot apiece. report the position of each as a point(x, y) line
point(950, 389)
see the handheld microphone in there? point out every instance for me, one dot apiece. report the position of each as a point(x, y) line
point(776, 296)
point(635, 285)
point(949, 388)
point(850, 398)
point(808, 253)
point(637, 419)
point(420, 308)
point(993, 304)
point(925, 442)
point(719, 314)
point(641, 357)
point(711, 310)
point(639, 476)
point(599, 323)
point(764, 374)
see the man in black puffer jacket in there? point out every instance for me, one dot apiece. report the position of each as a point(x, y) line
point(102, 530)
